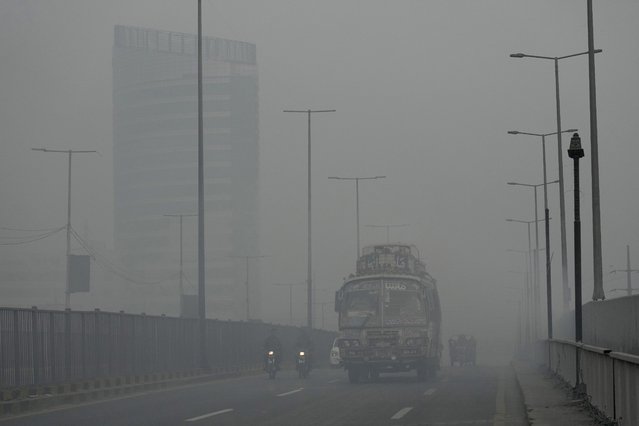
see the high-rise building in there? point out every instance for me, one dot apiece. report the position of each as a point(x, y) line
point(155, 135)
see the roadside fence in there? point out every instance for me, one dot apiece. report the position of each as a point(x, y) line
point(40, 347)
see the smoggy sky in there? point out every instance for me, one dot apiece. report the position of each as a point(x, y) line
point(424, 93)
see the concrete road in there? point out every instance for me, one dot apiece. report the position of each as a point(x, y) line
point(458, 396)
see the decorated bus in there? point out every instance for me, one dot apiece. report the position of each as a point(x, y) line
point(389, 315)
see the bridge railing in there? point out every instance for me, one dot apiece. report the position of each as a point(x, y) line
point(611, 379)
point(39, 347)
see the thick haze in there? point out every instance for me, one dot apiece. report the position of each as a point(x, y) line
point(424, 93)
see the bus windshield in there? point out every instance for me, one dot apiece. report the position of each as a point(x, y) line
point(403, 307)
point(361, 308)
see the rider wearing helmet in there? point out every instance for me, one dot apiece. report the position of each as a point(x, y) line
point(273, 343)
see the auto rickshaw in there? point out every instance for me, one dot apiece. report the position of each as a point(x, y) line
point(462, 350)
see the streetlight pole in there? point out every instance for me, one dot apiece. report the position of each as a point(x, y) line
point(357, 179)
point(322, 305)
point(69, 152)
point(576, 152)
point(562, 204)
point(181, 216)
point(290, 298)
point(527, 292)
point(547, 222)
point(387, 227)
point(246, 258)
point(598, 292)
point(536, 313)
point(201, 259)
point(536, 289)
point(309, 313)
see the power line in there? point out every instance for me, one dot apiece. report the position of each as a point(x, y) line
point(5, 228)
point(33, 239)
point(111, 265)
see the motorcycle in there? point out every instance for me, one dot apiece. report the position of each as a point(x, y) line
point(302, 364)
point(271, 364)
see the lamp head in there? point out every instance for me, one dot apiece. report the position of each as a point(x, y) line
point(517, 55)
point(513, 132)
point(575, 150)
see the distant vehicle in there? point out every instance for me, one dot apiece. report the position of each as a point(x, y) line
point(462, 350)
point(334, 358)
point(302, 364)
point(389, 315)
point(271, 364)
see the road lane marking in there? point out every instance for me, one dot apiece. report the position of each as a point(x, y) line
point(401, 413)
point(500, 402)
point(291, 392)
point(335, 380)
point(430, 391)
point(205, 416)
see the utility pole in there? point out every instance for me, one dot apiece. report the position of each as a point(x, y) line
point(181, 255)
point(69, 152)
point(309, 314)
point(628, 271)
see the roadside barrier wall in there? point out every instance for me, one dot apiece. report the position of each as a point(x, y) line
point(39, 347)
point(609, 379)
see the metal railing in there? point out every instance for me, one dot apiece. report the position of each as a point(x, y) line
point(39, 347)
point(610, 379)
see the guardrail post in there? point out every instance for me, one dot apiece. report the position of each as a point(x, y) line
point(34, 345)
point(16, 349)
point(614, 391)
point(98, 364)
point(52, 358)
point(67, 344)
point(83, 340)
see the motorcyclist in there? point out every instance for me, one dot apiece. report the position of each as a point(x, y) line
point(273, 343)
point(304, 343)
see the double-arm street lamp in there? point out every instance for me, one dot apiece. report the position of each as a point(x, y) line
point(546, 215)
point(562, 204)
point(387, 227)
point(357, 179)
point(309, 278)
point(536, 255)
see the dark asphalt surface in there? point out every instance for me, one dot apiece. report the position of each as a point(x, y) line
point(458, 396)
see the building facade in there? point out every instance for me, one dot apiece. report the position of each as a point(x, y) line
point(155, 135)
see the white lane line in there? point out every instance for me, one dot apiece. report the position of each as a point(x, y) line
point(335, 381)
point(401, 413)
point(430, 391)
point(500, 402)
point(195, 419)
point(291, 392)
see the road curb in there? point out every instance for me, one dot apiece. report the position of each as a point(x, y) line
point(33, 399)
